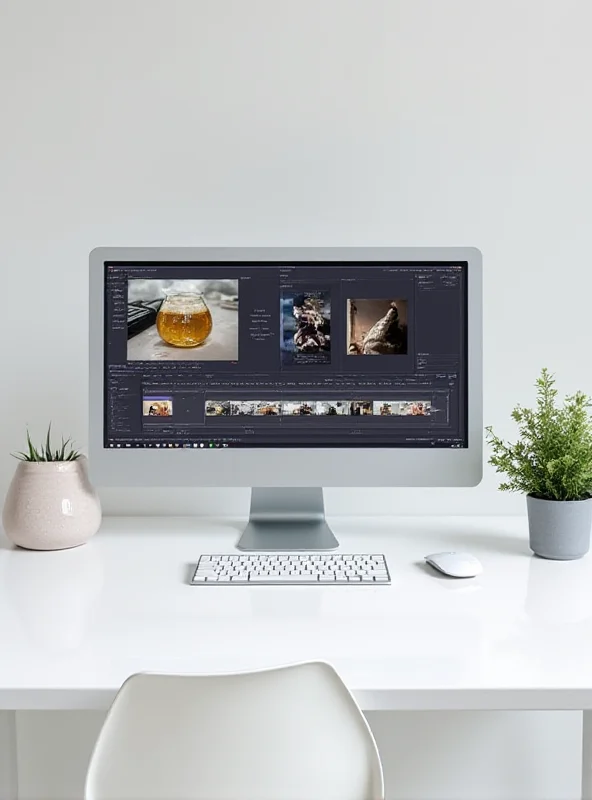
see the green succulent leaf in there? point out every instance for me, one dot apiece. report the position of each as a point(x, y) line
point(48, 444)
point(33, 455)
point(45, 453)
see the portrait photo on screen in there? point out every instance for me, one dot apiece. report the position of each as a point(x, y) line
point(376, 327)
point(182, 320)
point(305, 320)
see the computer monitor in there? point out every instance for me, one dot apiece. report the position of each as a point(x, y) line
point(286, 370)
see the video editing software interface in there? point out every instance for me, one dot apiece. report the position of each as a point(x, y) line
point(236, 354)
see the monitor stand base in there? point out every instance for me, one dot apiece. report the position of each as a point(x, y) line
point(287, 520)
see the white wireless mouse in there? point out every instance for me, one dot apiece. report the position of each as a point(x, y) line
point(455, 565)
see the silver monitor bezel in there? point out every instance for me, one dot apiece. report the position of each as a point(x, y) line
point(284, 467)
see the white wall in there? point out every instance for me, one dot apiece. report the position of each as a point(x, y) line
point(298, 122)
point(308, 122)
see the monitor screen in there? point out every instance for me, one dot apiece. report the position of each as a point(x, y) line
point(267, 355)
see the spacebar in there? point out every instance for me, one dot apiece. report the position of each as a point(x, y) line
point(283, 579)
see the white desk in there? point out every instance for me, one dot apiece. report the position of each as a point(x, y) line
point(74, 624)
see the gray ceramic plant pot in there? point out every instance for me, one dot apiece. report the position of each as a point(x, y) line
point(559, 530)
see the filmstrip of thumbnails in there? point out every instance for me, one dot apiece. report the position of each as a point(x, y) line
point(319, 408)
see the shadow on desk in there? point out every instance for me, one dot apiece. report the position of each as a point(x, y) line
point(5, 544)
point(157, 525)
point(488, 542)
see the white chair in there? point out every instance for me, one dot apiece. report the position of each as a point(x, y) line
point(292, 733)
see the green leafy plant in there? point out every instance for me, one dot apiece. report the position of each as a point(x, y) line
point(65, 452)
point(552, 458)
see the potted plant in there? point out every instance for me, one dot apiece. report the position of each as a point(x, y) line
point(51, 504)
point(552, 464)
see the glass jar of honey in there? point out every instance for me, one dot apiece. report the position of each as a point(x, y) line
point(184, 319)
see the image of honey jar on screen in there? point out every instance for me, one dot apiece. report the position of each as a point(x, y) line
point(184, 319)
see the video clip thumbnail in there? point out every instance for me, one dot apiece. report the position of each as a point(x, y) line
point(157, 406)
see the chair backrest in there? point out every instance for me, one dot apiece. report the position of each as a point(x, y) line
point(292, 733)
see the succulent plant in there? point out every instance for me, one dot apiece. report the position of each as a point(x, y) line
point(65, 451)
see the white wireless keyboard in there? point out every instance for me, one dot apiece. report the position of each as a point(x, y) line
point(291, 570)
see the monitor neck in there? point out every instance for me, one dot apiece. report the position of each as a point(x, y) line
point(287, 519)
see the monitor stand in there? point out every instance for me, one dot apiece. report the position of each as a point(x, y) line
point(287, 519)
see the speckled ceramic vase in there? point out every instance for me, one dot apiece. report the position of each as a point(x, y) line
point(51, 505)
